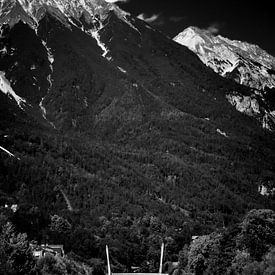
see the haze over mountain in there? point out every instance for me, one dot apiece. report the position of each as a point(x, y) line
point(122, 132)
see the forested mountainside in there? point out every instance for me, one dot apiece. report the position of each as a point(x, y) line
point(122, 133)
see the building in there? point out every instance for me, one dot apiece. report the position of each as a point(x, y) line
point(47, 249)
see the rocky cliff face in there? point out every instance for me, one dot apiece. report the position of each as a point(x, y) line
point(245, 63)
point(31, 12)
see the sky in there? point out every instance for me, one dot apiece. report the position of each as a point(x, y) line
point(251, 21)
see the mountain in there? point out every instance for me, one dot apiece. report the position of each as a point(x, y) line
point(242, 62)
point(246, 63)
point(122, 133)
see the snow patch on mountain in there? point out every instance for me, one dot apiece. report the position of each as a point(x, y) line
point(50, 81)
point(6, 88)
point(122, 70)
point(49, 54)
point(222, 133)
point(42, 108)
point(96, 36)
point(7, 151)
point(49, 78)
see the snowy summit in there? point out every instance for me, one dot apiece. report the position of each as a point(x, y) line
point(246, 63)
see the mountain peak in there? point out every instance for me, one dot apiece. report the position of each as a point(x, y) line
point(245, 63)
point(193, 37)
point(227, 56)
point(32, 11)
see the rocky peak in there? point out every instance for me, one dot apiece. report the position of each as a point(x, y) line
point(32, 11)
point(246, 63)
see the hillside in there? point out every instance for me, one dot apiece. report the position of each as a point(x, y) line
point(122, 132)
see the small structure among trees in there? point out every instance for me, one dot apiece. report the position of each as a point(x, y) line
point(45, 249)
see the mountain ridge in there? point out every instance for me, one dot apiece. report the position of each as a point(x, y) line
point(231, 47)
point(245, 63)
point(33, 11)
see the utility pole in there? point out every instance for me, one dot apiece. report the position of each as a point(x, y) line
point(108, 260)
point(161, 258)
